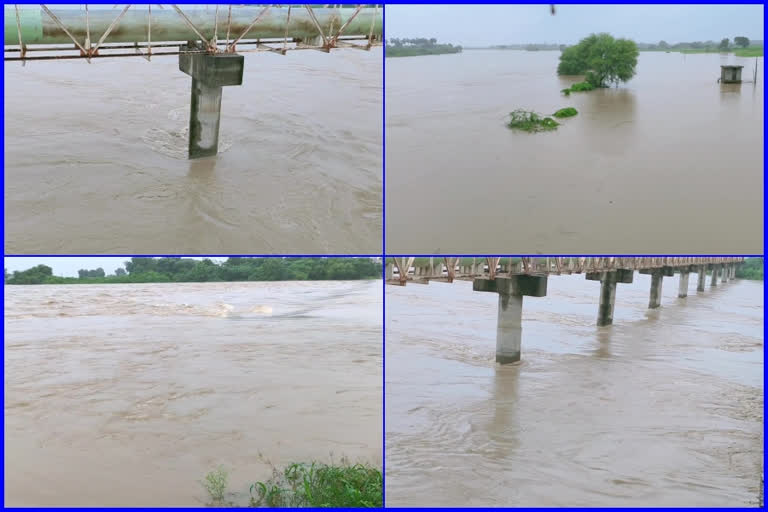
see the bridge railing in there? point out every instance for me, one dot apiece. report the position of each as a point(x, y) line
point(99, 32)
point(450, 268)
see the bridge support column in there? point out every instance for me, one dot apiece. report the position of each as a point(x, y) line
point(209, 72)
point(702, 270)
point(715, 268)
point(733, 271)
point(511, 291)
point(682, 290)
point(657, 278)
point(390, 271)
point(608, 281)
point(725, 271)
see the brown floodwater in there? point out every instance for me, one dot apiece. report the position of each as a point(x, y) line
point(663, 408)
point(127, 395)
point(96, 158)
point(669, 163)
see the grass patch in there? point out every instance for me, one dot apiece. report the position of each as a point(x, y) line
point(320, 485)
point(566, 112)
point(530, 121)
point(748, 52)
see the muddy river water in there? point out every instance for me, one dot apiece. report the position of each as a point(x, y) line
point(129, 394)
point(96, 158)
point(669, 163)
point(665, 407)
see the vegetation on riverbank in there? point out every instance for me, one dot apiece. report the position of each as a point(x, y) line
point(180, 270)
point(418, 46)
point(752, 268)
point(307, 485)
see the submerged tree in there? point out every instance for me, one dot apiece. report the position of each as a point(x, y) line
point(603, 59)
point(724, 44)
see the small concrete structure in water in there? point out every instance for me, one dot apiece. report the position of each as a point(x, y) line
point(730, 74)
point(513, 281)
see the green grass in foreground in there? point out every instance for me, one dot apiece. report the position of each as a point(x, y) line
point(320, 485)
point(748, 52)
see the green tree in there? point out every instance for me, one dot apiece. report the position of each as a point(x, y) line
point(724, 44)
point(741, 41)
point(35, 275)
point(663, 45)
point(120, 272)
point(603, 59)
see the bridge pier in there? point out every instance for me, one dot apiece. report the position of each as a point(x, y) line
point(390, 274)
point(702, 270)
point(608, 281)
point(511, 291)
point(714, 275)
point(682, 290)
point(657, 279)
point(209, 72)
point(733, 271)
point(724, 272)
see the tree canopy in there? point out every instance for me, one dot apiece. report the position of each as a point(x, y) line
point(751, 269)
point(741, 41)
point(164, 270)
point(603, 59)
point(724, 44)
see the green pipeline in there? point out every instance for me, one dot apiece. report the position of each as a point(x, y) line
point(167, 25)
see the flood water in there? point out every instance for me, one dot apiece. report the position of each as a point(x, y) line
point(96, 158)
point(665, 407)
point(668, 163)
point(127, 395)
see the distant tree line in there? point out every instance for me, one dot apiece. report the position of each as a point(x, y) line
point(405, 47)
point(751, 269)
point(180, 270)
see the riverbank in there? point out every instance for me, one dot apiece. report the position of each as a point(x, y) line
point(752, 51)
point(414, 51)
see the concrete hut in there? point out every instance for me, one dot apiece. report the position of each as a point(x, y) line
point(730, 74)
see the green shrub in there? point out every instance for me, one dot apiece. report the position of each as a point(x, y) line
point(582, 86)
point(216, 484)
point(530, 121)
point(566, 112)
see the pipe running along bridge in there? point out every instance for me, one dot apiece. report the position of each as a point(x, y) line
point(209, 42)
point(512, 280)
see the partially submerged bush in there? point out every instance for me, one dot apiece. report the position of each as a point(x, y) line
point(582, 86)
point(567, 92)
point(566, 112)
point(216, 484)
point(530, 121)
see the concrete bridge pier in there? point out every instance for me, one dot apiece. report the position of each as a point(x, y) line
point(725, 272)
point(511, 291)
point(209, 72)
point(702, 270)
point(657, 278)
point(390, 274)
point(733, 271)
point(682, 290)
point(714, 275)
point(608, 281)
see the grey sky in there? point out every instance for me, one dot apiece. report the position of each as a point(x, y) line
point(68, 267)
point(482, 25)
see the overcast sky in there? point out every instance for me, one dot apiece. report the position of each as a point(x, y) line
point(68, 267)
point(483, 25)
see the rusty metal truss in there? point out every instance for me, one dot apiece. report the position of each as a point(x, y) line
point(448, 269)
point(232, 42)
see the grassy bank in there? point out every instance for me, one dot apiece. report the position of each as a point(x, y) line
point(413, 51)
point(307, 485)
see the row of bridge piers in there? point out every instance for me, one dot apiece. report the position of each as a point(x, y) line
point(512, 287)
